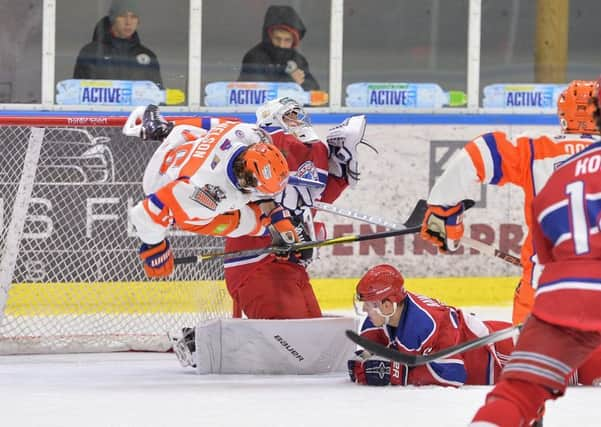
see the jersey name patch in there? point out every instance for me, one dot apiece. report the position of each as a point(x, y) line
point(208, 196)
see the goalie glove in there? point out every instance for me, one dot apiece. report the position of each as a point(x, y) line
point(443, 226)
point(158, 259)
point(343, 141)
point(367, 369)
point(154, 126)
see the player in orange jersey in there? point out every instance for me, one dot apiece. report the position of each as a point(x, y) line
point(220, 183)
point(527, 162)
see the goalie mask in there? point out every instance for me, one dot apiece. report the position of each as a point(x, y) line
point(288, 114)
point(267, 168)
point(382, 282)
point(576, 108)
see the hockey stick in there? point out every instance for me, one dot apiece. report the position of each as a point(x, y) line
point(418, 359)
point(467, 241)
point(412, 225)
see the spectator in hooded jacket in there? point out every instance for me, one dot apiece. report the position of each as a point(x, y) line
point(275, 58)
point(115, 52)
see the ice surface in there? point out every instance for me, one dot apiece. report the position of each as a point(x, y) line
point(151, 389)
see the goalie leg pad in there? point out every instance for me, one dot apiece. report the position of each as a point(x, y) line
point(274, 347)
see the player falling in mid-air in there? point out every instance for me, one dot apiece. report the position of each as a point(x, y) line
point(220, 183)
point(254, 282)
point(527, 162)
point(565, 326)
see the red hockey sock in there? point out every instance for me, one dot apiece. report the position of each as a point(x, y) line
point(513, 403)
point(589, 372)
point(499, 413)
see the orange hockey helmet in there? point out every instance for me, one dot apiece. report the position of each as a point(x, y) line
point(268, 166)
point(381, 282)
point(576, 106)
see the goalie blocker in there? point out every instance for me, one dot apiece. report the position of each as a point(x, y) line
point(268, 347)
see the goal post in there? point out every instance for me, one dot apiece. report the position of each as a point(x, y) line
point(70, 276)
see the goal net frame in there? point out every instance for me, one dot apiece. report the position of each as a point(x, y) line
point(70, 276)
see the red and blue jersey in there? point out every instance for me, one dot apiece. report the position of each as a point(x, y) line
point(426, 326)
point(308, 161)
point(567, 215)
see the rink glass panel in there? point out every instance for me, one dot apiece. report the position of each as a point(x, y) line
point(76, 282)
point(508, 35)
point(21, 51)
point(406, 41)
point(162, 28)
point(224, 46)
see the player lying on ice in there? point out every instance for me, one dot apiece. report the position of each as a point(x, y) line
point(527, 162)
point(270, 286)
point(417, 324)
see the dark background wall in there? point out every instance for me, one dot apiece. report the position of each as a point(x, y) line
point(384, 40)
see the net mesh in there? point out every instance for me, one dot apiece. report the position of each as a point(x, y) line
point(70, 275)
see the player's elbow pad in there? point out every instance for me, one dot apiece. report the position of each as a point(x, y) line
point(146, 229)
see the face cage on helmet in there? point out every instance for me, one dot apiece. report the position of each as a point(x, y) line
point(358, 306)
point(296, 118)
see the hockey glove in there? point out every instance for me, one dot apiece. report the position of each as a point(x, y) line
point(366, 369)
point(287, 230)
point(158, 259)
point(443, 226)
point(154, 126)
point(282, 229)
point(343, 141)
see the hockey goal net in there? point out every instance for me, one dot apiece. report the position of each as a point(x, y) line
point(70, 277)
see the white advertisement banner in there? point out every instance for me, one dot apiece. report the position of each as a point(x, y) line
point(410, 159)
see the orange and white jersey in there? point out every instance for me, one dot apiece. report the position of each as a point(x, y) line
point(493, 158)
point(190, 182)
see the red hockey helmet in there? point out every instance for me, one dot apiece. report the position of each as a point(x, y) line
point(381, 282)
point(268, 166)
point(575, 107)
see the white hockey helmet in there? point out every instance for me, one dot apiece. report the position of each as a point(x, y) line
point(288, 114)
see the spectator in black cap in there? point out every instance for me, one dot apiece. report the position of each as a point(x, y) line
point(275, 58)
point(115, 52)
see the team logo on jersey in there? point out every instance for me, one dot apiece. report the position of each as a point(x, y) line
point(308, 171)
point(208, 196)
point(215, 162)
point(143, 59)
point(239, 134)
point(226, 145)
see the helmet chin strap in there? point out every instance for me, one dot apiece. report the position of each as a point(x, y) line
point(387, 316)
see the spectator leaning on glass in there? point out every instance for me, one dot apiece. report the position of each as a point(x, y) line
point(275, 58)
point(115, 52)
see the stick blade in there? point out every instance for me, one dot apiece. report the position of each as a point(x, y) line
point(417, 216)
